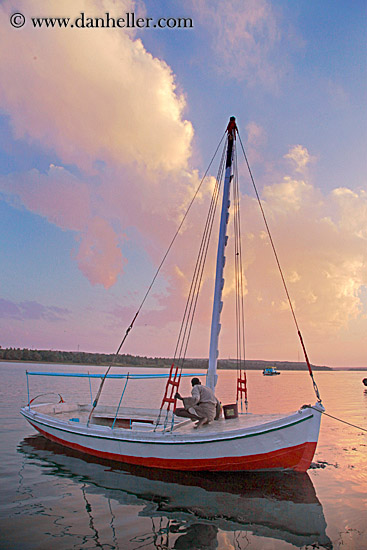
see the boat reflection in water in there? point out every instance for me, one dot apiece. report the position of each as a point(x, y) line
point(278, 505)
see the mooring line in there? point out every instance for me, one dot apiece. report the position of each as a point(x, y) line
point(344, 421)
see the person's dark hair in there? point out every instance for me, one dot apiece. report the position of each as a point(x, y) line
point(195, 381)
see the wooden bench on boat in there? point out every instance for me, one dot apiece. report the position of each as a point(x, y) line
point(127, 417)
point(142, 419)
point(106, 419)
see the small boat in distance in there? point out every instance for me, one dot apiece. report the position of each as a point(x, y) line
point(270, 371)
point(156, 438)
point(364, 381)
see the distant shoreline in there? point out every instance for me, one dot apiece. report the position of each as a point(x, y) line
point(85, 359)
point(187, 367)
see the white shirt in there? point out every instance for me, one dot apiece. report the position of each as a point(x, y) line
point(203, 394)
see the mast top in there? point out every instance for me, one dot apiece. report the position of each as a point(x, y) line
point(231, 132)
point(232, 128)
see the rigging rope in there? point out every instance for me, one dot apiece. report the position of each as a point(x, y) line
point(192, 299)
point(281, 273)
point(191, 303)
point(239, 285)
point(343, 421)
point(153, 280)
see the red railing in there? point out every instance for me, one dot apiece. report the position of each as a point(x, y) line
point(172, 385)
point(241, 387)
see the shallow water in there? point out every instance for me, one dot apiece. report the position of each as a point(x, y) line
point(54, 498)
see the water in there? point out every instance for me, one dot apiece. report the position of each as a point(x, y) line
point(53, 498)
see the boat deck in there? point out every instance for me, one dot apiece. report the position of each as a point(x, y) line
point(144, 420)
point(245, 420)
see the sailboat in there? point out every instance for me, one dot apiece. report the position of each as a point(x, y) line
point(239, 441)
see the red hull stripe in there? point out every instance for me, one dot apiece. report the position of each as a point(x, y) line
point(297, 458)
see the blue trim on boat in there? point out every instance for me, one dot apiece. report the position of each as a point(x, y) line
point(131, 376)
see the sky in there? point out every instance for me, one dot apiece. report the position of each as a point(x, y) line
point(105, 135)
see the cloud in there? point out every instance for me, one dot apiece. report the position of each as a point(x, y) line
point(100, 212)
point(352, 208)
point(245, 38)
point(57, 195)
point(320, 240)
point(30, 310)
point(99, 256)
point(91, 94)
point(98, 100)
point(300, 157)
point(67, 202)
point(290, 194)
point(321, 244)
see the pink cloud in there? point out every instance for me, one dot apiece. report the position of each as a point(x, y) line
point(67, 202)
point(58, 195)
point(91, 95)
point(110, 108)
point(323, 255)
point(99, 256)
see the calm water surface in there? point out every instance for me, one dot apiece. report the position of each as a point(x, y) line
point(53, 498)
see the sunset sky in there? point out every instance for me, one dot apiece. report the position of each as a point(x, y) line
point(105, 135)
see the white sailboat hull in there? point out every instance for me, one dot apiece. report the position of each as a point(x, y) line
point(250, 442)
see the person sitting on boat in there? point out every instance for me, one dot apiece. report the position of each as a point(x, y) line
point(202, 406)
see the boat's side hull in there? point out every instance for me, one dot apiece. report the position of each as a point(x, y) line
point(278, 445)
point(296, 458)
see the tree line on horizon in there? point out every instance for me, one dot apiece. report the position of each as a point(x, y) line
point(127, 360)
point(78, 357)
